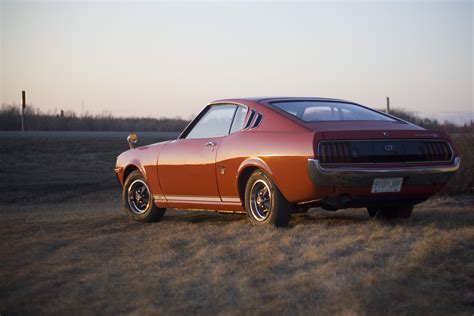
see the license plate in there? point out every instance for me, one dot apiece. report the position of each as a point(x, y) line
point(382, 185)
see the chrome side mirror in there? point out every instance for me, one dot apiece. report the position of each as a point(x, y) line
point(132, 140)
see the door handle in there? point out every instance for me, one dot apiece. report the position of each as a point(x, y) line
point(211, 144)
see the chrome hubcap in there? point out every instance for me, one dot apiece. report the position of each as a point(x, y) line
point(260, 200)
point(138, 197)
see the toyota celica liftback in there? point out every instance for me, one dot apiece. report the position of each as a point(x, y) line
point(271, 157)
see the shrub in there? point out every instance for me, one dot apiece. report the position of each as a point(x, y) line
point(10, 120)
point(463, 180)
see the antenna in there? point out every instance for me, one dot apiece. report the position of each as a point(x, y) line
point(388, 105)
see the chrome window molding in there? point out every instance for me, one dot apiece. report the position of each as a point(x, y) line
point(191, 124)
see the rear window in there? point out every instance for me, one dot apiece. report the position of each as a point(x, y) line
point(317, 111)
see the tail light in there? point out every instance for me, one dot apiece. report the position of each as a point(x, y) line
point(335, 152)
point(377, 152)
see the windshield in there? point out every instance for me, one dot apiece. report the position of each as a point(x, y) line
point(317, 111)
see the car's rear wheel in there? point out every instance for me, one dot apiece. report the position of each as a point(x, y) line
point(264, 203)
point(137, 199)
point(396, 211)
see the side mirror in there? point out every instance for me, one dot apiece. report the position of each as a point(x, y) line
point(132, 140)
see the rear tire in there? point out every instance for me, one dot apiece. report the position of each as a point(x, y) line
point(264, 203)
point(137, 199)
point(391, 212)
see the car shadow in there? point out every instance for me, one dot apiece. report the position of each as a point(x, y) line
point(445, 217)
point(195, 217)
point(330, 218)
point(439, 217)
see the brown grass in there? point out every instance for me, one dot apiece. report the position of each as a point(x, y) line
point(87, 256)
point(67, 247)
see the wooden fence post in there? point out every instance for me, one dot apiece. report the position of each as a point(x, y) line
point(23, 106)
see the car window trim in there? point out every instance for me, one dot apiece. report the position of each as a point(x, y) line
point(193, 123)
point(235, 114)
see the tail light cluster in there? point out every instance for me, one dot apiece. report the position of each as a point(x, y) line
point(436, 151)
point(384, 151)
point(335, 152)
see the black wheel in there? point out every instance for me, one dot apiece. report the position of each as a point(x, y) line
point(264, 202)
point(397, 211)
point(138, 200)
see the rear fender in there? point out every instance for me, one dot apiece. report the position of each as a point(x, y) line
point(257, 163)
point(254, 162)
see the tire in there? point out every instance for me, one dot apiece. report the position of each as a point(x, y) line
point(373, 211)
point(264, 203)
point(391, 212)
point(138, 200)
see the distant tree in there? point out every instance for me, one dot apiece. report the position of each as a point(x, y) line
point(10, 120)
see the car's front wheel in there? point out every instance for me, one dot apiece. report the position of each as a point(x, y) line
point(396, 211)
point(138, 200)
point(264, 202)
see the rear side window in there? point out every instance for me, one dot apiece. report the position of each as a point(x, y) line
point(317, 111)
point(239, 119)
point(215, 123)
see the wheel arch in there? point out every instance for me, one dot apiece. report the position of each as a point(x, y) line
point(246, 169)
point(130, 168)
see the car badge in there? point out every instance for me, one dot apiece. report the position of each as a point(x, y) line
point(389, 148)
point(385, 134)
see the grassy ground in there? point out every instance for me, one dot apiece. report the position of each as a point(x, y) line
point(50, 169)
point(67, 247)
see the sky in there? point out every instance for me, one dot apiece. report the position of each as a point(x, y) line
point(168, 59)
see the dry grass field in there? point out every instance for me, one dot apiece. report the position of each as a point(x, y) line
point(66, 246)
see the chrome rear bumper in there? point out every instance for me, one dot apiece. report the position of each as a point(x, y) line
point(362, 177)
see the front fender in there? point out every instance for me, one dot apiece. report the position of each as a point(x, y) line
point(125, 161)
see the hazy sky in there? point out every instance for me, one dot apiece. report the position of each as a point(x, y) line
point(170, 59)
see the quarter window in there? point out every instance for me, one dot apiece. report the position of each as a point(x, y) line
point(239, 119)
point(215, 123)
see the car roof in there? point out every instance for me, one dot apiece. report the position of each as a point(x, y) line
point(267, 99)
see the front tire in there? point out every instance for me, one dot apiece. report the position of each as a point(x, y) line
point(391, 212)
point(264, 203)
point(137, 199)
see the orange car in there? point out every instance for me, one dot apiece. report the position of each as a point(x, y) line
point(270, 157)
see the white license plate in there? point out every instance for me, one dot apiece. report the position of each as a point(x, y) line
point(382, 185)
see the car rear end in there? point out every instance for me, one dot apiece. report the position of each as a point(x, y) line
point(365, 158)
point(380, 167)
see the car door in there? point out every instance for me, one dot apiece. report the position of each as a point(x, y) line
point(186, 166)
